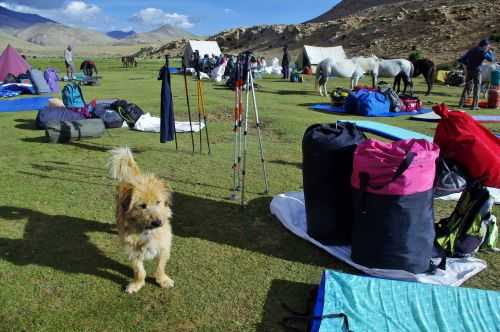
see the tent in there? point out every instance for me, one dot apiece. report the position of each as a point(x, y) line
point(203, 46)
point(12, 63)
point(313, 55)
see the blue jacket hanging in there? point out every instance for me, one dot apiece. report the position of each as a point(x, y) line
point(167, 118)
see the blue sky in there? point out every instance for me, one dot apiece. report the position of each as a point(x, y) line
point(201, 17)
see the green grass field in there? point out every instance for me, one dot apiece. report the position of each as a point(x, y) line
point(61, 267)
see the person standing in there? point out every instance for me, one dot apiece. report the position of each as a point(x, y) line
point(472, 61)
point(68, 61)
point(415, 54)
point(285, 63)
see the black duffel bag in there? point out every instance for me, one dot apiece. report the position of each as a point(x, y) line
point(328, 151)
point(128, 111)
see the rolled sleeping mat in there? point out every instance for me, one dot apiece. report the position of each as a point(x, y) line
point(69, 131)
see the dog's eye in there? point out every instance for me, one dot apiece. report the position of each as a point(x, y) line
point(158, 202)
point(143, 206)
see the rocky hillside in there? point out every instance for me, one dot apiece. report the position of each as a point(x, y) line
point(349, 7)
point(442, 29)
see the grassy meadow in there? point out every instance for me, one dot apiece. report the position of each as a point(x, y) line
point(61, 266)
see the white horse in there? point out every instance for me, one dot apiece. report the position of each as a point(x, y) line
point(394, 67)
point(369, 65)
point(346, 68)
point(486, 70)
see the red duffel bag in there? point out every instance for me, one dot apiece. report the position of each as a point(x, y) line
point(470, 145)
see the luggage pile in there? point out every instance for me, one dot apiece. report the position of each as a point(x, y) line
point(369, 102)
point(378, 197)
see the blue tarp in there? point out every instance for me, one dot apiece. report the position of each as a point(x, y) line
point(15, 89)
point(373, 304)
point(329, 108)
point(24, 104)
point(388, 131)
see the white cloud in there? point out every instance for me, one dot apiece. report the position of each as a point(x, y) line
point(81, 10)
point(228, 10)
point(156, 17)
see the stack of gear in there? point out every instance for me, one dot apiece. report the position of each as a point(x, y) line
point(455, 78)
point(296, 76)
point(339, 96)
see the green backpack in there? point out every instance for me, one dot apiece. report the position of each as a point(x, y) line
point(471, 226)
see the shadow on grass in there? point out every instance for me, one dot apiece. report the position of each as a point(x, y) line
point(41, 139)
point(298, 296)
point(60, 242)
point(286, 163)
point(26, 124)
point(253, 228)
point(73, 179)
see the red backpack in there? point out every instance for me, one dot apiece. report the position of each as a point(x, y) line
point(470, 145)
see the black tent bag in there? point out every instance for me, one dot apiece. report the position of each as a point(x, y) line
point(328, 151)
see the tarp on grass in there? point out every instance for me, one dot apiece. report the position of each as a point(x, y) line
point(373, 304)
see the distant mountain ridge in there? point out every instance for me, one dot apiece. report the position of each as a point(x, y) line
point(163, 34)
point(10, 19)
point(119, 34)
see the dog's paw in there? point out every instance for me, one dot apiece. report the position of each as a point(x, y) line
point(134, 287)
point(164, 281)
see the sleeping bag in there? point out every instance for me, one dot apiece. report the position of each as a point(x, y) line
point(393, 226)
point(367, 103)
point(68, 131)
point(328, 151)
point(39, 83)
point(474, 148)
point(56, 114)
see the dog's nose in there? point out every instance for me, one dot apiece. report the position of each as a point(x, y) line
point(156, 223)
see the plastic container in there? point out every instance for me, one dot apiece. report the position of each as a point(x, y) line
point(495, 78)
point(494, 97)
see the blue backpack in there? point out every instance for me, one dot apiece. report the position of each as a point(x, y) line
point(72, 96)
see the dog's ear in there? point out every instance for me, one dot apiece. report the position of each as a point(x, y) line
point(125, 195)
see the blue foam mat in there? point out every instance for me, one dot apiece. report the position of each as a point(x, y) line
point(24, 104)
point(373, 304)
point(329, 108)
point(388, 131)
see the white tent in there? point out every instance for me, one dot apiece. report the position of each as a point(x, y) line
point(203, 46)
point(313, 55)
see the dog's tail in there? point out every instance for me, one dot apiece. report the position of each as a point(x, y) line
point(122, 165)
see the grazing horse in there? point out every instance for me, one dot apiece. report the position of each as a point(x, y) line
point(424, 67)
point(395, 67)
point(343, 68)
point(369, 66)
point(129, 61)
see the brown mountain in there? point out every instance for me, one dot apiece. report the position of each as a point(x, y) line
point(442, 29)
point(349, 7)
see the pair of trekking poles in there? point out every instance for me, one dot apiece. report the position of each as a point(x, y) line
point(200, 95)
point(244, 82)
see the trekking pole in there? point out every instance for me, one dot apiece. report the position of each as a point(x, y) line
point(167, 72)
point(259, 133)
point(238, 110)
point(204, 111)
point(187, 101)
point(198, 105)
point(246, 68)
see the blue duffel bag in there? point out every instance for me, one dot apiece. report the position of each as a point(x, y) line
point(367, 103)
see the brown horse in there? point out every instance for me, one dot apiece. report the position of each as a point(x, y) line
point(129, 61)
point(424, 67)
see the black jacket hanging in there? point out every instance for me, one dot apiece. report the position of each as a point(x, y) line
point(167, 118)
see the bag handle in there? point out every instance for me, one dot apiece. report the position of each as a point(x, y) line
point(364, 177)
point(286, 322)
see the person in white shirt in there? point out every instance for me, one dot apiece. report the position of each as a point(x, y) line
point(68, 61)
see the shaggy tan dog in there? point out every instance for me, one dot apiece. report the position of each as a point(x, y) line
point(143, 217)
